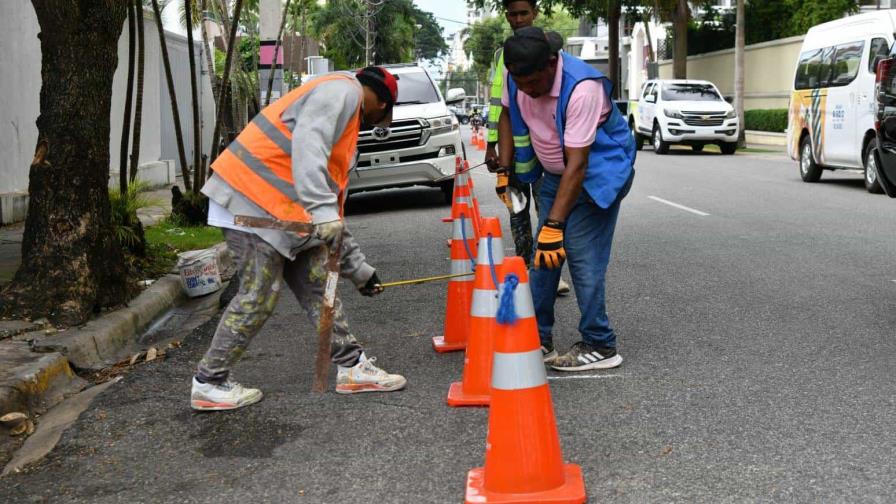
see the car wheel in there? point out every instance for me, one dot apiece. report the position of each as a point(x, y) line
point(659, 145)
point(871, 183)
point(728, 147)
point(465, 120)
point(810, 171)
point(637, 137)
point(697, 147)
point(447, 191)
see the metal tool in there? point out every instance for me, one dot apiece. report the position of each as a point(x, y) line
point(416, 281)
point(327, 312)
point(465, 170)
point(266, 223)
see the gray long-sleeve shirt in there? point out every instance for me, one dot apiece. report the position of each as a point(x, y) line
point(317, 121)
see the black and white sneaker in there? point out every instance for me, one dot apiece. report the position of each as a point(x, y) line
point(548, 354)
point(582, 357)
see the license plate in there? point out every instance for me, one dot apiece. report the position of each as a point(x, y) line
point(384, 159)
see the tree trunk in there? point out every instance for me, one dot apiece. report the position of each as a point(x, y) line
point(680, 18)
point(194, 95)
point(71, 262)
point(138, 109)
point(739, 44)
point(225, 81)
point(128, 104)
point(651, 53)
point(178, 134)
point(207, 50)
point(614, 13)
point(303, 66)
point(267, 99)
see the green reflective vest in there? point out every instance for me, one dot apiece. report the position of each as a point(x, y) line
point(494, 101)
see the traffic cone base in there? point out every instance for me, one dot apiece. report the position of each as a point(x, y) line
point(440, 345)
point(571, 492)
point(457, 396)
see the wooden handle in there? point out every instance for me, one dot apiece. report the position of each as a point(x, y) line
point(325, 326)
point(265, 223)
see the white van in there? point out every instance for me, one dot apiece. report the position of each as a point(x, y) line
point(832, 106)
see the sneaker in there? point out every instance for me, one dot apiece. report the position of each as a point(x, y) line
point(582, 357)
point(365, 377)
point(562, 288)
point(225, 396)
point(548, 354)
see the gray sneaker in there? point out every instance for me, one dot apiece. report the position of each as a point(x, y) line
point(562, 288)
point(583, 357)
point(226, 396)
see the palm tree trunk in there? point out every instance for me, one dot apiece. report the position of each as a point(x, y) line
point(680, 18)
point(267, 100)
point(194, 93)
point(207, 50)
point(178, 134)
point(739, 44)
point(615, 12)
point(138, 108)
point(128, 107)
point(228, 61)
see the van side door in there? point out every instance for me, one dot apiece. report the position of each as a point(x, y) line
point(840, 147)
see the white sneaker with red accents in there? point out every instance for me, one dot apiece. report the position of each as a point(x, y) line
point(226, 396)
point(365, 377)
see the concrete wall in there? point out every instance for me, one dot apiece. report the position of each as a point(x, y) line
point(20, 83)
point(768, 73)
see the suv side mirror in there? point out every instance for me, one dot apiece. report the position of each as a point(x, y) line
point(650, 99)
point(455, 95)
point(729, 99)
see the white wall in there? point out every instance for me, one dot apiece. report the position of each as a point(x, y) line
point(20, 83)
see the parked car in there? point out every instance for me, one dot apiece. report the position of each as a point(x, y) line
point(884, 156)
point(687, 112)
point(422, 143)
point(832, 112)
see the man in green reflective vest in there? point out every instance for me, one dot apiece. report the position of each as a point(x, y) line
point(519, 14)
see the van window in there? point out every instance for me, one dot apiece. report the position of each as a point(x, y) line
point(879, 50)
point(847, 59)
point(808, 70)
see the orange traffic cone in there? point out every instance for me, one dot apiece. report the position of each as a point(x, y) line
point(463, 193)
point(523, 462)
point(458, 167)
point(480, 141)
point(473, 390)
point(460, 290)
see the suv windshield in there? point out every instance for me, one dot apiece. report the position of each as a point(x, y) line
point(415, 88)
point(690, 92)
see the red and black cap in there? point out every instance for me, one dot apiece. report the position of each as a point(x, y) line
point(383, 83)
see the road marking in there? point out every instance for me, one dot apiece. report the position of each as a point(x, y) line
point(680, 207)
point(585, 377)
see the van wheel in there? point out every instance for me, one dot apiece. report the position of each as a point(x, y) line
point(697, 147)
point(871, 182)
point(810, 171)
point(659, 145)
point(639, 138)
point(728, 147)
point(447, 191)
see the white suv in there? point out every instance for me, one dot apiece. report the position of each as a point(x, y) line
point(419, 147)
point(687, 112)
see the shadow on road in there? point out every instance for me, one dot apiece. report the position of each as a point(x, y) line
point(394, 199)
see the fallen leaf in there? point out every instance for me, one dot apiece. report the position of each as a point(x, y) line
point(136, 357)
point(151, 354)
point(13, 419)
point(19, 429)
point(30, 428)
point(666, 450)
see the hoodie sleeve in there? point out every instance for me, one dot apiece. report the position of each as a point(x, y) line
point(317, 121)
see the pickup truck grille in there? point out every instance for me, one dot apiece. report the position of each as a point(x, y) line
point(403, 134)
point(703, 118)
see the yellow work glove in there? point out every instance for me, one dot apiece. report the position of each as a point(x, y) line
point(550, 252)
point(327, 232)
point(501, 189)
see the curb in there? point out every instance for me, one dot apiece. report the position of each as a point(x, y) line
point(45, 365)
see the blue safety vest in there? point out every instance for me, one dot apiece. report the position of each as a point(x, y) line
point(612, 153)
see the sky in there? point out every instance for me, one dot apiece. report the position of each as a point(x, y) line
point(446, 9)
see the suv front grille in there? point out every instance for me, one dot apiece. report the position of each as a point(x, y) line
point(403, 134)
point(703, 118)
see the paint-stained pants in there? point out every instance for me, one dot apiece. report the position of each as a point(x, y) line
point(261, 270)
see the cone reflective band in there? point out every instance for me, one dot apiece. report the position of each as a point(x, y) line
point(463, 193)
point(523, 461)
point(473, 389)
point(460, 289)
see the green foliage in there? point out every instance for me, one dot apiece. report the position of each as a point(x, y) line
point(124, 213)
point(178, 238)
point(766, 120)
point(338, 25)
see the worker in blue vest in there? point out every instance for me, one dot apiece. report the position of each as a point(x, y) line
point(559, 124)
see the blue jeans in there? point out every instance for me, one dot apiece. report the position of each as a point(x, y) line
point(587, 239)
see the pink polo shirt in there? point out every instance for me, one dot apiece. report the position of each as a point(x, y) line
point(588, 107)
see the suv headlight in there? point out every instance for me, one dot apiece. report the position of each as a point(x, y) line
point(444, 124)
point(673, 114)
point(731, 114)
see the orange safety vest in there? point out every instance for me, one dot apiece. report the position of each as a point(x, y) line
point(258, 163)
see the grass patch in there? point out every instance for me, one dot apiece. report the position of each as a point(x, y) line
point(166, 239)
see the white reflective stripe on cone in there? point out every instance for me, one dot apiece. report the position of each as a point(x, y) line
point(468, 229)
point(462, 179)
point(522, 300)
point(518, 371)
point(485, 304)
point(465, 200)
point(497, 251)
point(459, 267)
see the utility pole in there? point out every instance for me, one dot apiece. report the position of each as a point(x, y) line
point(369, 33)
point(739, 43)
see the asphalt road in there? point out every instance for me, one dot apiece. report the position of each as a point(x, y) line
point(758, 342)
